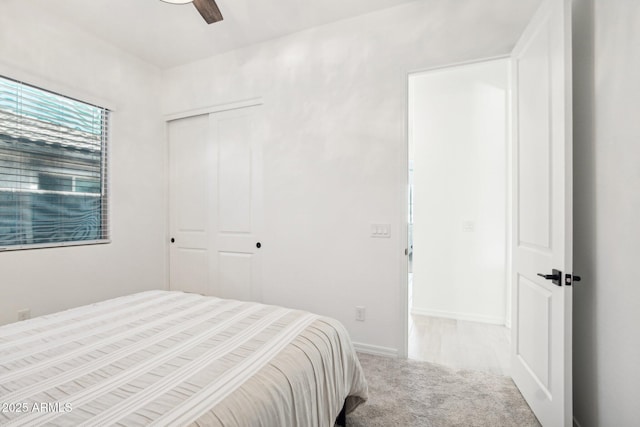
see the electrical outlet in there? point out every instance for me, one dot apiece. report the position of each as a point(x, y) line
point(360, 313)
point(24, 314)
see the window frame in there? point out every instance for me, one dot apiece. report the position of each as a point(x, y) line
point(105, 193)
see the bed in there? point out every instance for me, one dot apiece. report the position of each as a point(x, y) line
point(176, 359)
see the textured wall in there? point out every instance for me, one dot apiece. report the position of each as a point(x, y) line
point(335, 152)
point(55, 56)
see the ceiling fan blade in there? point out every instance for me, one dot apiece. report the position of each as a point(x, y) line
point(209, 10)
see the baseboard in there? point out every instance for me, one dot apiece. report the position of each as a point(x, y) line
point(458, 316)
point(375, 350)
point(575, 422)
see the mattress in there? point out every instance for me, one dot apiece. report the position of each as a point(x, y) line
point(175, 359)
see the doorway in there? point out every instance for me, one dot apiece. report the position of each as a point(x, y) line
point(540, 249)
point(459, 216)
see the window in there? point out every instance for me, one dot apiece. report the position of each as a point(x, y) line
point(53, 165)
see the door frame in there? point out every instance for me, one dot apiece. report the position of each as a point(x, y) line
point(404, 192)
point(169, 117)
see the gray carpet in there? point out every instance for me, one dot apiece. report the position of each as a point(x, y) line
point(408, 393)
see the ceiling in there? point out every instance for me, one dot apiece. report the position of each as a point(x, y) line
point(169, 35)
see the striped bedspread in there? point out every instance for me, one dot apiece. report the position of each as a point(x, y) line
point(174, 359)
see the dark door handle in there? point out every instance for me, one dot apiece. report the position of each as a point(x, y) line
point(555, 277)
point(258, 245)
point(173, 240)
point(549, 276)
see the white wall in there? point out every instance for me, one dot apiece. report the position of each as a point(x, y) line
point(335, 153)
point(606, 211)
point(55, 56)
point(458, 129)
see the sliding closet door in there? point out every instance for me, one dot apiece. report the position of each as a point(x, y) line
point(237, 215)
point(216, 204)
point(190, 176)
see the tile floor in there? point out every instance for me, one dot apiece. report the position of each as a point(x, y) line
point(460, 344)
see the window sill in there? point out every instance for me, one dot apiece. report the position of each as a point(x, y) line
point(54, 245)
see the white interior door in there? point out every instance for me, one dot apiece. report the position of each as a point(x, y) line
point(237, 191)
point(542, 237)
point(216, 203)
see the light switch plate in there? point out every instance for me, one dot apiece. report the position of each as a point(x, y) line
point(381, 231)
point(468, 226)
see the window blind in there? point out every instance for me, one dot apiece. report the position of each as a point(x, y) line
point(53, 169)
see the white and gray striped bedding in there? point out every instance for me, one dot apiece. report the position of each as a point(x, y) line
point(174, 359)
